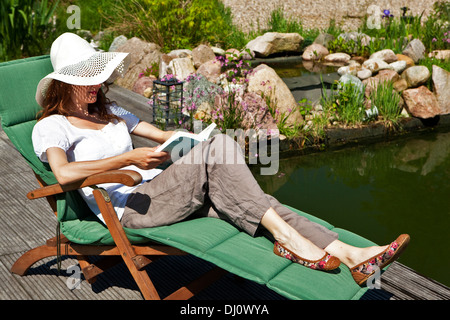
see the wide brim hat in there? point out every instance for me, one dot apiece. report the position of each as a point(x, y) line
point(76, 62)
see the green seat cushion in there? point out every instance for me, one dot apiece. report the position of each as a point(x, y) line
point(221, 243)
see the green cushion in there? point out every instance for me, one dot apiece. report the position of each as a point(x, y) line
point(18, 107)
point(220, 243)
point(211, 239)
point(19, 78)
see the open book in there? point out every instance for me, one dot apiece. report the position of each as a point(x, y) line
point(185, 141)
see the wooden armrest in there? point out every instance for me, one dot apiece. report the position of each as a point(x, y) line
point(126, 177)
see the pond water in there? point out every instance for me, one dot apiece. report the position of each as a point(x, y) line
point(294, 66)
point(378, 191)
point(305, 79)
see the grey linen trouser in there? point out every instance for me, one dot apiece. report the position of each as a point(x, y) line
point(212, 180)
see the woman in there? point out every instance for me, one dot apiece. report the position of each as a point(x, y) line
point(80, 133)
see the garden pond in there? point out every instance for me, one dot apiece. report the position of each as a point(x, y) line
point(305, 79)
point(378, 191)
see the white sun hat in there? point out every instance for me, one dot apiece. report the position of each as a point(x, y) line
point(76, 62)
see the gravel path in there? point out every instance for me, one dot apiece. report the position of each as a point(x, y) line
point(247, 14)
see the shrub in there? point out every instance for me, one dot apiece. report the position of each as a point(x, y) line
point(387, 101)
point(25, 28)
point(174, 23)
point(345, 103)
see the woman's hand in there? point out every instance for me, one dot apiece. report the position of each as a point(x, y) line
point(147, 158)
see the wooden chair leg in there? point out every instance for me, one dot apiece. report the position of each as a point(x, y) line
point(141, 277)
point(21, 266)
point(89, 270)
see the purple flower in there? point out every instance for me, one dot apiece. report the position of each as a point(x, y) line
point(387, 13)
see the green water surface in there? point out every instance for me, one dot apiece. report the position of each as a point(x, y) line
point(378, 191)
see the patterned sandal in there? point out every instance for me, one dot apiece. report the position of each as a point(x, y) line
point(327, 262)
point(364, 270)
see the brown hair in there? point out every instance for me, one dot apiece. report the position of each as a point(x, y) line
point(58, 98)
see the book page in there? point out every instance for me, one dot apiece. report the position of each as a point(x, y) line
point(189, 139)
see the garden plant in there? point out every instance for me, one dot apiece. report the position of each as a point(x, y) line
point(28, 27)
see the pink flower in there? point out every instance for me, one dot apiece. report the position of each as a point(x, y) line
point(322, 264)
point(434, 40)
point(369, 268)
point(394, 245)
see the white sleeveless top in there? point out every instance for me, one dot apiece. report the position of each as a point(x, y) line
point(90, 144)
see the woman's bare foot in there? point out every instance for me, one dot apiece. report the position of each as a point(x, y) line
point(352, 256)
point(289, 238)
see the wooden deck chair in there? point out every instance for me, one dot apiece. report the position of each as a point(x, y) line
point(83, 235)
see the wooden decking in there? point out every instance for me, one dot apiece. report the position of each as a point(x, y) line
point(27, 224)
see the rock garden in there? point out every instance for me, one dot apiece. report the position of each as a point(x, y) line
point(386, 77)
point(384, 88)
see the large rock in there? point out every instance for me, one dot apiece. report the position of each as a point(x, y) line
point(348, 79)
point(164, 64)
point(398, 66)
point(440, 54)
point(364, 74)
point(338, 57)
point(416, 75)
point(441, 88)
point(400, 85)
point(383, 76)
point(275, 42)
point(180, 53)
point(202, 54)
point(314, 51)
point(164, 68)
point(211, 70)
point(408, 60)
point(117, 42)
point(388, 75)
point(387, 55)
point(142, 54)
point(376, 65)
point(265, 80)
point(351, 70)
point(421, 103)
point(143, 83)
point(181, 68)
point(415, 50)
